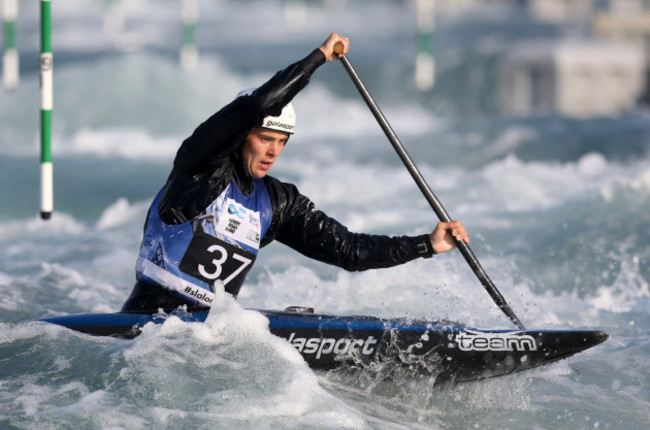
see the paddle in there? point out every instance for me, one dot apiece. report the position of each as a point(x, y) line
point(437, 207)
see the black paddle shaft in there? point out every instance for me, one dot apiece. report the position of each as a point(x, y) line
point(437, 207)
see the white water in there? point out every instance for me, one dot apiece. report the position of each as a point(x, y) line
point(557, 209)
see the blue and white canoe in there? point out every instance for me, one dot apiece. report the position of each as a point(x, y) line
point(449, 351)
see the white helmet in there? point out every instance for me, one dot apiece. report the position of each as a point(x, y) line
point(285, 122)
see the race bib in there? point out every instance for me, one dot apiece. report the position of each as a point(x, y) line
point(210, 259)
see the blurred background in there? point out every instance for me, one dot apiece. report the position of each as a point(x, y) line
point(529, 119)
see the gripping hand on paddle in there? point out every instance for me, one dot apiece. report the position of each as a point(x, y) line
point(327, 47)
point(444, 236)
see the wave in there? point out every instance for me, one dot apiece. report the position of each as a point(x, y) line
point(196, 372)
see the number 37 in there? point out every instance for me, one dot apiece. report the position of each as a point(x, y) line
point(224, 262)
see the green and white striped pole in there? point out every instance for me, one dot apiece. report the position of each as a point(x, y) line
point(189, 51)
point(113, 18)
point(47, 182)
point(10, 64)
point(425, 70)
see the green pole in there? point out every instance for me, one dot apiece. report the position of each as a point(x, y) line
point(10, 63)
point(189, 52)
point(424, 63)
point(113, 18)
point(47, 183)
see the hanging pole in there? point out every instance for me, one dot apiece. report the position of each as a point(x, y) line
point(10, 63)
point(189, 16)
point(425, 69)
point(47, 182)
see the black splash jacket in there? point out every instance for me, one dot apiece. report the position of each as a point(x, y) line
point(207, 161)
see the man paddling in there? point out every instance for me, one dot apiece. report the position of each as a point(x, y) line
point(219, 206)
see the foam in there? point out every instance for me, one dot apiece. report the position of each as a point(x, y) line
point(60, 224)
point(120, 213)
point(236, 343)
point(346, 118)
point(125, 142)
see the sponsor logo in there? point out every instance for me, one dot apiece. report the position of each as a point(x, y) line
point(198, 294)
point(480, 341)
point(239, 212)
point(253, 236)
point(232, 225)
point(326, 345)
point(254, 219)
point(279, 125)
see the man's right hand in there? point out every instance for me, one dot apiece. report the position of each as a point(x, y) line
point(328, 46)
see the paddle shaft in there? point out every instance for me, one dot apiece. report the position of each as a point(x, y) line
point(437, 207)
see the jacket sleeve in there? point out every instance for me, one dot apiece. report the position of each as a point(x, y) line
point(299, 225)
point(215, 139)
point(202, 167)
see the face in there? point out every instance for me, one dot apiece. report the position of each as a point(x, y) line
point(261, 148)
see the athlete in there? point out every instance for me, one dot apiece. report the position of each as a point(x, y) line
point(219, 206)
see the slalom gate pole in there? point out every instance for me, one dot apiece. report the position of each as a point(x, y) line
point(47, 182)
point(10, 63)
point(425, 68)
point(437, 207)
point(189, 56)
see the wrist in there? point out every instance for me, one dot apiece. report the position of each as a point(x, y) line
point(424, 247)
